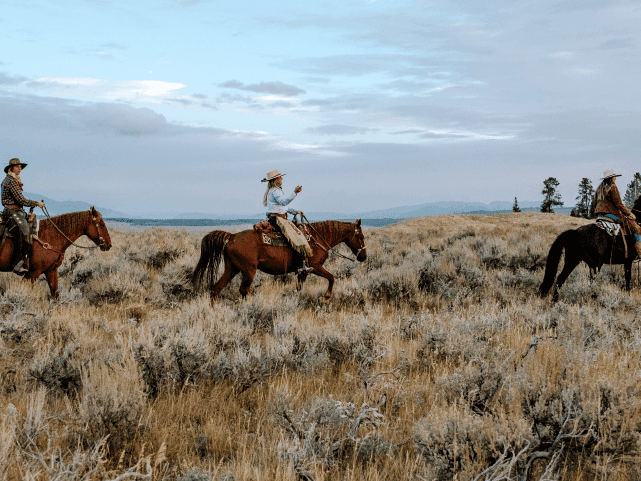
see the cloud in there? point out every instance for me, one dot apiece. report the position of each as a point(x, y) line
point(106, 56)
point(7, 80)
point(408, 132)
point(618, 43)
point(335, 129)
point(120, 120)
point(281, 104)
point(274, 88)
point(112, 45)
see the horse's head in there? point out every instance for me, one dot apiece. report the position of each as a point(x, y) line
point(97, 231)
point(356, 242)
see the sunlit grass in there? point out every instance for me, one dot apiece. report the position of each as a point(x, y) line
point(435, 359)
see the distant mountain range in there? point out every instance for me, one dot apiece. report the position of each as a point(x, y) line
point(403, 212)
point(56, 207)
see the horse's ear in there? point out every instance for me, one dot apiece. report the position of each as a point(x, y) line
point(358, 222)
point(93, 210)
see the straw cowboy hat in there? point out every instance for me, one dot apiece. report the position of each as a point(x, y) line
point(272, 175)
point(610, 173)
point(12, 162)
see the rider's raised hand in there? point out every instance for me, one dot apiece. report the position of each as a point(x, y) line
point(298, 189)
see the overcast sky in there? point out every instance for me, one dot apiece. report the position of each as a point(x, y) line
point(185, 105)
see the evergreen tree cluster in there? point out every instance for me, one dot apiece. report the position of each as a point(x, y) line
point(584, 200)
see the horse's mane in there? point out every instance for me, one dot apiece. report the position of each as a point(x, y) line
point(334, 228)
point(65, 222)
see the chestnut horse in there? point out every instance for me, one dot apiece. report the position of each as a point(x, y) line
point(54, 236)
point(245, 252)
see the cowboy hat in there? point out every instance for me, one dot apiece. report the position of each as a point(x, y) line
point(12, 162)
point(610, 173)
point(272, 175)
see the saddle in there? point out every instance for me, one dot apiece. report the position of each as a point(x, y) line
point(6, 224)
point(613, 229)
point(269, 235)
point(273, 237)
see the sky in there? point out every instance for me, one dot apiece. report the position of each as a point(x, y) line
point(175, 106)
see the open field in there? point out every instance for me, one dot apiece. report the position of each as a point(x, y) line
point(435, 359)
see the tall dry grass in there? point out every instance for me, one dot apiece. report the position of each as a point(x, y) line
point(435, 359)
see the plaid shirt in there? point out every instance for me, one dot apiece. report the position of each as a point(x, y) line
point(12, 193)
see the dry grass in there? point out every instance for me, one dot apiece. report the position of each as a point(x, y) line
point(435, 359)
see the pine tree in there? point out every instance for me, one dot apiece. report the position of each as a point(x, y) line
point(552, 197)
point(633, 191)
point(584, 199)
point(515, 207)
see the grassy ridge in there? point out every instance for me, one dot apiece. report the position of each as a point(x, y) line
point(435, 359)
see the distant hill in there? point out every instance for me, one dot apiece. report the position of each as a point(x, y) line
point(58, 207)
point(402, 212)
point(385, 216)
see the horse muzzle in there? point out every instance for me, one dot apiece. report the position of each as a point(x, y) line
point(362, 255)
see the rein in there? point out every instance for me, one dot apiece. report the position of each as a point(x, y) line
point(326, 243)
point(46, 246)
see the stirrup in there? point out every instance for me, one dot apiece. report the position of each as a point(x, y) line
point(20, 268)
point(305, 269)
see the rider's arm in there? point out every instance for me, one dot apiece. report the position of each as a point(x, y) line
point(616, 200)
point(279, 198)
point(16, 192)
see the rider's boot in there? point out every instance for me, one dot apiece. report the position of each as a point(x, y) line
point(637, 246)
point(20, 268)
point(305, 269)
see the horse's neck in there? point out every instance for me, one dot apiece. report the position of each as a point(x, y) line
point(331, 231)
point(70, 229)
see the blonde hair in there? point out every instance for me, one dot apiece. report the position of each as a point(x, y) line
point(270, 185)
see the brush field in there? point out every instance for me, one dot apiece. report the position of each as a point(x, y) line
point(435, 359)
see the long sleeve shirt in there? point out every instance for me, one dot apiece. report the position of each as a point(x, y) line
point(277, 202)
point(12, 193)
point(611, 204)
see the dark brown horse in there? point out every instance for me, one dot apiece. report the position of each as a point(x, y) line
point(591, 245)
point(245, 252)
point(54, 236)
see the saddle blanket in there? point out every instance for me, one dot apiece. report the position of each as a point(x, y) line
point(610, 227)
point(272, 237)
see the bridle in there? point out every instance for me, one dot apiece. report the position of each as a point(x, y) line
point(356, 232)
point(94, 219)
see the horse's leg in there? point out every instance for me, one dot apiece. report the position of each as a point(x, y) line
point(52, 280)
point(248, 278)
point(322, 272)
point(568, 267)
point(230, 272)
point(628, 274)
point(300, 281)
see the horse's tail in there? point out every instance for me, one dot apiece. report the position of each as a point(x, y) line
point(552, 264)
point(211, 253)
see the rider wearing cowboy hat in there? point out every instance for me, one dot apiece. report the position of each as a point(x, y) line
point(607, 203)
point(276, 203)
point(13, 202)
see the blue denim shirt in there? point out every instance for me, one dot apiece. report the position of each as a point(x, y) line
point(277, 202)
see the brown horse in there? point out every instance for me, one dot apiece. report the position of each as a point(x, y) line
point(245, 252)
point(54, 236)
